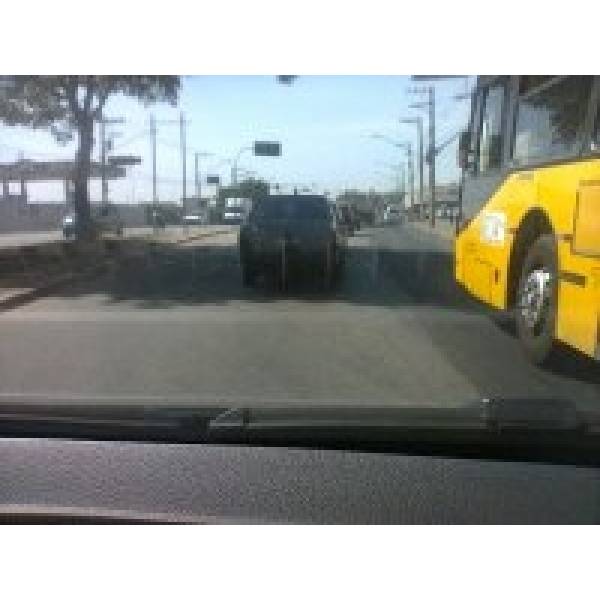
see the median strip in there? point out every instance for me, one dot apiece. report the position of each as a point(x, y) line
point(24, 265)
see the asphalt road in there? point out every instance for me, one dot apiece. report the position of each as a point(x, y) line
point(177, 326)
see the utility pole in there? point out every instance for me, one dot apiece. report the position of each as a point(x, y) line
point(103, 123)
point(432, 154)
point(183, 161)
point(153, 139)
point(196, 174)
point(103, 190)
point(411, 174)
point(403, 181)
point(420, 134)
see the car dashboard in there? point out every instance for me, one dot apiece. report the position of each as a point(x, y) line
point(50, 480)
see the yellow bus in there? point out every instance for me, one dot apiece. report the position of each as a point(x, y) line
point(528, 240)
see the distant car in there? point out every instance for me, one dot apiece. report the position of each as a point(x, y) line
point(283, 232)
point(345, 220)
point(193, 220)
point(108, 220)
point(68, 226)
point(393, 215)
point(105, 220)
point(236, 210)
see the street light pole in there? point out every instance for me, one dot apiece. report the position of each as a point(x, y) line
point(418, 121)
point(234, 167)
point(407, 146)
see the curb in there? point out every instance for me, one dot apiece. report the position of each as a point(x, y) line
point(24, 297)
point(199, 236)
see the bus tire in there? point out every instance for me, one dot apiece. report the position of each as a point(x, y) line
point(537, 300)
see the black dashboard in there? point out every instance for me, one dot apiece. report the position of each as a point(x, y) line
point(78, 481)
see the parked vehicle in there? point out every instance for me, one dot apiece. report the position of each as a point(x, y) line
point(68, 226)
point(393, 215)
point(105, 220)
point(236, 210)
point(288, 232)
point(194, 219)
point(108, 220)
point(345, 220)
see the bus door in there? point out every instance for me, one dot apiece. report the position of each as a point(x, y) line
point(484, 175)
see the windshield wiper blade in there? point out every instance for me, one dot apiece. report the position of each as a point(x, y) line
point(487, 415)
point(116, 422)
point(513, 425)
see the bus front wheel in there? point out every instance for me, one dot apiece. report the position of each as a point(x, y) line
point(537, 299)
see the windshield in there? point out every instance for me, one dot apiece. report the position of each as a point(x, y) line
point(292, 207)
point(368, 268)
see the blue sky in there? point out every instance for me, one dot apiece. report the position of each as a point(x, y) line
point(323, 123)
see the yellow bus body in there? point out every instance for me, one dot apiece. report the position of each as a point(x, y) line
point(569, 195)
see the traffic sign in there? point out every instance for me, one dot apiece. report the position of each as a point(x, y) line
point(213, 179)
point(125, 160)
point(267, 149)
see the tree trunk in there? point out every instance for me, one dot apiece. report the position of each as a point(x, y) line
point(82, 173)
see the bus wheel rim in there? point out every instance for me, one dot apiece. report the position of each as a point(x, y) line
point(535, 298)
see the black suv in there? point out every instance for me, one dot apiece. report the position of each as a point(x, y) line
point(284, 233)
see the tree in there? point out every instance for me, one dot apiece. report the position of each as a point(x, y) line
point(72, 103)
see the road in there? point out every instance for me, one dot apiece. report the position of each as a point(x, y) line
point(179, 327)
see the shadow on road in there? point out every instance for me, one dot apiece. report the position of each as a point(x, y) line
point(153, 275)
point(159, 275)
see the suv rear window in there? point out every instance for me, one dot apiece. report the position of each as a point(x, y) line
point(292, 207)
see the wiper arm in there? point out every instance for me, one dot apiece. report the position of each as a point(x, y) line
point(489, 415)
point(116, 422)
point(510, 425)
point(531, 414)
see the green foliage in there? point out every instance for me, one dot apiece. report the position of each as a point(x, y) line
point(39, 101)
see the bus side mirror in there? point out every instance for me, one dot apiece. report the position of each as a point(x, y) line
point(464, 150)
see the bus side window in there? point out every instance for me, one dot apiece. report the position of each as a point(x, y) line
point(596, 131)
point(550, 116)
point(490, 136)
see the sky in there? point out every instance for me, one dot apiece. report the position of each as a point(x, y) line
point(324, 124)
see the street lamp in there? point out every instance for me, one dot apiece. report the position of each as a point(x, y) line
point(234, 164)
point(246, 172)
point(407, 146)
point(259, 148)
point(400, 173)
point(418, 121)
